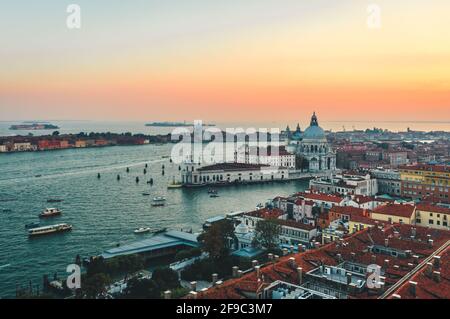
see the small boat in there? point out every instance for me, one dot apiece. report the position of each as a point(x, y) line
point(158, 201)
point(32, 225)
point(174, 185)
point(214, 195)
point(212, 191)
point(54, 200)
point(46, 230)
point(142, 230)
point(146, 194)
point(6, 210)
point(38, 175)
point(50, 212)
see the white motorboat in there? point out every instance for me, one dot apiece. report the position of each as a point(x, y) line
point(142, 230)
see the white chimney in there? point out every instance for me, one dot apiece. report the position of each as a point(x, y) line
point(167, 294)
point(412, 288)
point(300, 275)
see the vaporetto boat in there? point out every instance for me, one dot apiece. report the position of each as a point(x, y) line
point(46, 230)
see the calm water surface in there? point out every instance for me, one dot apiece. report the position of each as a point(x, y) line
point(103, 212)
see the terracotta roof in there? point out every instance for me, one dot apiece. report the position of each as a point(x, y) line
point(294, 224)
point(433, 208)
point(266, 213)
point(429, 168)
point(355, 248)
point(400, 210)
point(321, 197)
point(350, 210)
point(427, 287)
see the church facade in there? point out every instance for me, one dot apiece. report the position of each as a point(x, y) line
point(311, 148)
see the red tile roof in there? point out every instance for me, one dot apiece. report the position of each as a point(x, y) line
point(354, 247)
point(400, 210)
point(321, 197)
point(266, 213)
point(427, 207)
point(427, 287)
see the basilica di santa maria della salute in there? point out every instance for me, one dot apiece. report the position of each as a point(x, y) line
point(312, 147)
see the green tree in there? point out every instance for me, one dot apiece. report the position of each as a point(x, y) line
point(267, 232)
point(215, 240)
point(165, 278)
point(55, 133)
point(93, 285)
point(142, 289)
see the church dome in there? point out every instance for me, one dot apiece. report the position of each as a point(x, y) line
point(314, 131)
point(241, 229)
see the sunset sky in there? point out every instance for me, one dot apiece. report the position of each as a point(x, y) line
point(246, 60)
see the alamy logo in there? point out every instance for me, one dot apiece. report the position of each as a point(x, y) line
point(374, 18)
point(74, 279)
point(373, 280)
point(74, 19)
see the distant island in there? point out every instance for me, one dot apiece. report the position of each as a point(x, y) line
point(173, 124)
point(34, 126)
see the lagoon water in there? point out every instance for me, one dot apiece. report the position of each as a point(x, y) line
point(103, 211)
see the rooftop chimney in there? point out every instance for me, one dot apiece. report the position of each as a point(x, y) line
point(430, 243)
point(437, 262)
point(412, 288)
point(395, 296)
point(429, 270)
point(373, 259)
point(386, 263)
point(353, 256)
point(270, 256)
point(215, 277)
point(193, 294)
point(276, 257)
point(349, 278)
point(300, 275)
point(254, 263)
point(258, 271)
point(386, 242)
point(437, 276)
point(235, 271)
point(194, 285)
point(413, 232)
point(285, 251)
point(291, 249)
point(240, 273)
point(300, 248)
point(167, 294)
point(292, 262)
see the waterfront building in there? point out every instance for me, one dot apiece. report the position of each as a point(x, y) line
point(312, 148)
point(230, 173)
point(388, 181)
point(3, 149)
point(424, 181)
point(23, 146)
point(266, 156)
point(80, 143)
point(346, 184)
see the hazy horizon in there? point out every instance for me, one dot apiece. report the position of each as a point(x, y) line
point(251, 61)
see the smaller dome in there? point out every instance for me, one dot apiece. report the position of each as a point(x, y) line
point(241, 229)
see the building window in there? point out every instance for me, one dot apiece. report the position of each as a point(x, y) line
point(431, 222)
